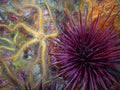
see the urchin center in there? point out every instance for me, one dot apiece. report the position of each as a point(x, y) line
point(84, 55)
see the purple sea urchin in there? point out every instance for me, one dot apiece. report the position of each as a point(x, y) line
point(88, 55)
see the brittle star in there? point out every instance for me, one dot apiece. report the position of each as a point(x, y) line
point(38, 37)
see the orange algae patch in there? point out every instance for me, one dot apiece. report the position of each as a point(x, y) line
point(105, 6)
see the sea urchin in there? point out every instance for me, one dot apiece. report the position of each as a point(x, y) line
point(87, 54)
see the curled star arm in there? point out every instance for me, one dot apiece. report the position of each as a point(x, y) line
point(28, 29)
point(20, 50)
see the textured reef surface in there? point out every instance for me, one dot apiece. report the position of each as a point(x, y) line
point(59, 45)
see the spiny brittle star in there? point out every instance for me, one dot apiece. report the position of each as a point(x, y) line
point(38, 37)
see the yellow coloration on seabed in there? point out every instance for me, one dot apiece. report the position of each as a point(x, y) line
point(39, 36)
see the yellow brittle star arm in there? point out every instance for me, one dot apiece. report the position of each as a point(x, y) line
point(7, 40)
point(37, 84)
point(51, 16)
point(12, 75)
point(17, 26)
point(13, 11)
point(31, 68)
point(15, 37)
point(41, 22)
point(20, 50)
point(51, 35)
point(20, 8)
point(55, 7)
point(4, 47)
point(40, 15)
point(43, 60)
